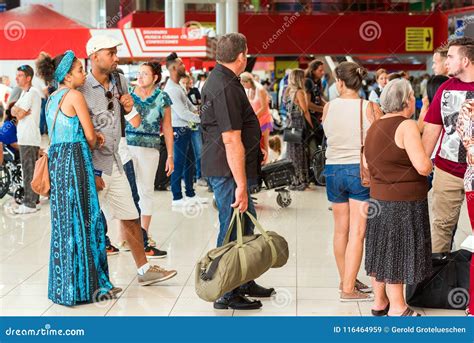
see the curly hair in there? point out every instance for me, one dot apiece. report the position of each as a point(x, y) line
point(46, 65)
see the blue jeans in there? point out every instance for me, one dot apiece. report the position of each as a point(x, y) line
point(182, 143)
point(224, 193)
point(196, 140)
point(191, 167)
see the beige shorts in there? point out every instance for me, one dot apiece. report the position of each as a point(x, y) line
point(116, 198)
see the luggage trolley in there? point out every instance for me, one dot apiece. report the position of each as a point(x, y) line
point(278, 176)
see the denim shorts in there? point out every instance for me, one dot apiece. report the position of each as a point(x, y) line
point(343, 183)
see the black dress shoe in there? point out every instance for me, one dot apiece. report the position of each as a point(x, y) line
point(251, 289)
point(237, 302)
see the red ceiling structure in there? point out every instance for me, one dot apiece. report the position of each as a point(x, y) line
point(333, 34)
point(28, 30)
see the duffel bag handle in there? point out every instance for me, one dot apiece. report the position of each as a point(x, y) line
point(265, 235)
point(243, 261)
point(240, 244)
point(255, 222)
point(229, 229)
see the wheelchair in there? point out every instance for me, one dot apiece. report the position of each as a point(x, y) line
point(11, 179)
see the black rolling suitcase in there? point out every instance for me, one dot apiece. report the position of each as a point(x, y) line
point(278, 174)
point(448, 285)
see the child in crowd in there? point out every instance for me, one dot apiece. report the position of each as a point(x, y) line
point(274, 153)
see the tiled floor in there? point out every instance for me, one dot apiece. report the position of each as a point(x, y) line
point(306, 286)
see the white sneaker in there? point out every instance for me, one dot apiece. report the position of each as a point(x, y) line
point(38, 207)
point(202, 182)
point(179, 203)
point(22, 209)
point(198, 199)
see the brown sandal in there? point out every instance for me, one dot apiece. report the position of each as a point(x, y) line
point(410, 313)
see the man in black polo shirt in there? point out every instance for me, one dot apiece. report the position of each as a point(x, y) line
point(231, 154)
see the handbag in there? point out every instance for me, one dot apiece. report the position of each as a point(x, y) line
point(364, 171)
point(448, 285)
point(41, 184)
point(291, 134)
point(235, 263)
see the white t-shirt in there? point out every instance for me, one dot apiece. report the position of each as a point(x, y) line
point(28, 131)
point(40, 85)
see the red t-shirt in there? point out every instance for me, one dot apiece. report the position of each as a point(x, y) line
point(444, 110)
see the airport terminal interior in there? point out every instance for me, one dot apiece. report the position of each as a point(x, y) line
point(381, 44)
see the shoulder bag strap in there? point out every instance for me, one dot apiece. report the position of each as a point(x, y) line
point(56, 116)
point(361, 124)
point(292, 103)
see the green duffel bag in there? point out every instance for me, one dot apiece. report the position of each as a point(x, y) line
point(235, 263)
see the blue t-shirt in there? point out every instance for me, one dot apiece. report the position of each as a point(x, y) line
point(8, 133)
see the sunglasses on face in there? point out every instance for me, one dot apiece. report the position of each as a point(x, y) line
point(110, 97)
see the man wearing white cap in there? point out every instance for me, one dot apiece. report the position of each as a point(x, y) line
point(106, 94)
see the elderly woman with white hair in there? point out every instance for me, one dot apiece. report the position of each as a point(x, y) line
point(398, 241)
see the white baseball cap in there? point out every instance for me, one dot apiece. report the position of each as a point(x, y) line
point(100, 42)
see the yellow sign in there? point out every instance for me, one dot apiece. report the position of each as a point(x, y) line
point(281, 66)
point(419, 39)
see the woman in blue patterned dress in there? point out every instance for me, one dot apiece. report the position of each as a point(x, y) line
point(143, 142)
point(78, 270)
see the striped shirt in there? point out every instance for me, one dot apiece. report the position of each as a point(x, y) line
point(105, 121)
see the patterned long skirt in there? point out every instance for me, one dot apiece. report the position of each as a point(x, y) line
point(78, 270)
point(296, 152)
